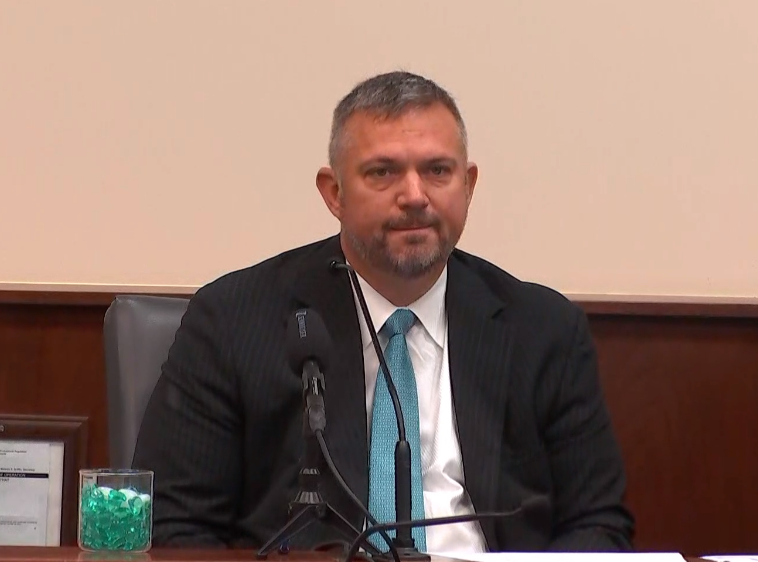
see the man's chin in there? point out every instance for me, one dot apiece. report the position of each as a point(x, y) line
point(408, 257)
point(416, 264)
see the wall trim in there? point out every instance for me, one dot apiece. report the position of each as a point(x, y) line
point(695, 309)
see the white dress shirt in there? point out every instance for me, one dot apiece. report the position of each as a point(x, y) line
point(441, 462)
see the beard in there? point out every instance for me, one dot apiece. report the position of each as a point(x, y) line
point(419, 256)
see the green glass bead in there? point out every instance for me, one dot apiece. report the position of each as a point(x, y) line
point(115, 519)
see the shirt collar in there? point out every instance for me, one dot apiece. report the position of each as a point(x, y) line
point(429, 309)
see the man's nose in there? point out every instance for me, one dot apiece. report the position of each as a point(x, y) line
point(413, 192)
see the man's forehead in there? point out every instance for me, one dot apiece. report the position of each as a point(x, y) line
point(433, 124)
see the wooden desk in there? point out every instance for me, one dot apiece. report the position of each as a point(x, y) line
point(73, 554)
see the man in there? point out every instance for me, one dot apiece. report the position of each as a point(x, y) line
point(499, 379)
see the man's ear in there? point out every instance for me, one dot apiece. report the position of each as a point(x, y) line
point(328, 185)
point(472, 174)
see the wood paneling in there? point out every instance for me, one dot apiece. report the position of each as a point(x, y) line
point(59, 298)
point(681, 382)
point(52, 362)
point(683, 394)
point(670, 309)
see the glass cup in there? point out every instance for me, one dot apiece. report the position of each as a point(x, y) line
point(115, 510)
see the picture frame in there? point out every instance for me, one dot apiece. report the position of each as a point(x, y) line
point(27, 437)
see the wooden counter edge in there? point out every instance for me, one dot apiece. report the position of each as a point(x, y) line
point(74, 554)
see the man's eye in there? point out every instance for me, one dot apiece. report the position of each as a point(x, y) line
point(438, 170)
point(379, 172)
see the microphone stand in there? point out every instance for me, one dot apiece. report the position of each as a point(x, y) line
point(309, 507)
point(403, 542)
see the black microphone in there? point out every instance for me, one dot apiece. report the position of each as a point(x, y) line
point(534, 508)
point(308, 351)
point(406, 546)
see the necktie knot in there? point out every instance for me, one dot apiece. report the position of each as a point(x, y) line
point(400, 322)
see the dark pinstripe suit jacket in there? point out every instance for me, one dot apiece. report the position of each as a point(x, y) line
point(223, 428)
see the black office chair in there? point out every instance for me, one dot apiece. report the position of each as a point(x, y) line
point(138, 332)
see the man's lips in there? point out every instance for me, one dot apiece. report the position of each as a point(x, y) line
point(411, 228)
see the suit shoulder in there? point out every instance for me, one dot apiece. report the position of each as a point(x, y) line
point(260, 282)
point(524, 298)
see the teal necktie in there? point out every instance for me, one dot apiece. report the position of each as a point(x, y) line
point(381, 501)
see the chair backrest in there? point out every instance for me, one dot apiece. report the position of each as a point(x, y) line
point(138, 332)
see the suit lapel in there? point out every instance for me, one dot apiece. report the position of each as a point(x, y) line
point(329, 293)
point(479, 343)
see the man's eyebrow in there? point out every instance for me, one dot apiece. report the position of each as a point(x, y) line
point(426, 162)
point(437, 160)
point(385, 160)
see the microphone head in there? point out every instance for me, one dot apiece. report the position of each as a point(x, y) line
point(537, 510)
point(307, 340)
point(536, 504)
point(337, 263)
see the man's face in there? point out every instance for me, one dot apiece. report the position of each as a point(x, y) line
point(404, 189)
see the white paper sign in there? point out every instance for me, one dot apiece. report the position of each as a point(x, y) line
point(31, 479)
point(567, 557)
point(733, 558)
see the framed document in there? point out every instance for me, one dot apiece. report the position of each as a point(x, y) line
point(40, 458)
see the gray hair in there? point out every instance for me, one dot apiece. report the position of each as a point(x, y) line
point(389, 96)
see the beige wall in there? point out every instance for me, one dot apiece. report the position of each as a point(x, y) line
point(166, 142)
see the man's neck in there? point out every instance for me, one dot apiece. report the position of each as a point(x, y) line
point(399, 291)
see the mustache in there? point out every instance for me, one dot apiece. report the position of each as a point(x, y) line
point(413, 220)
